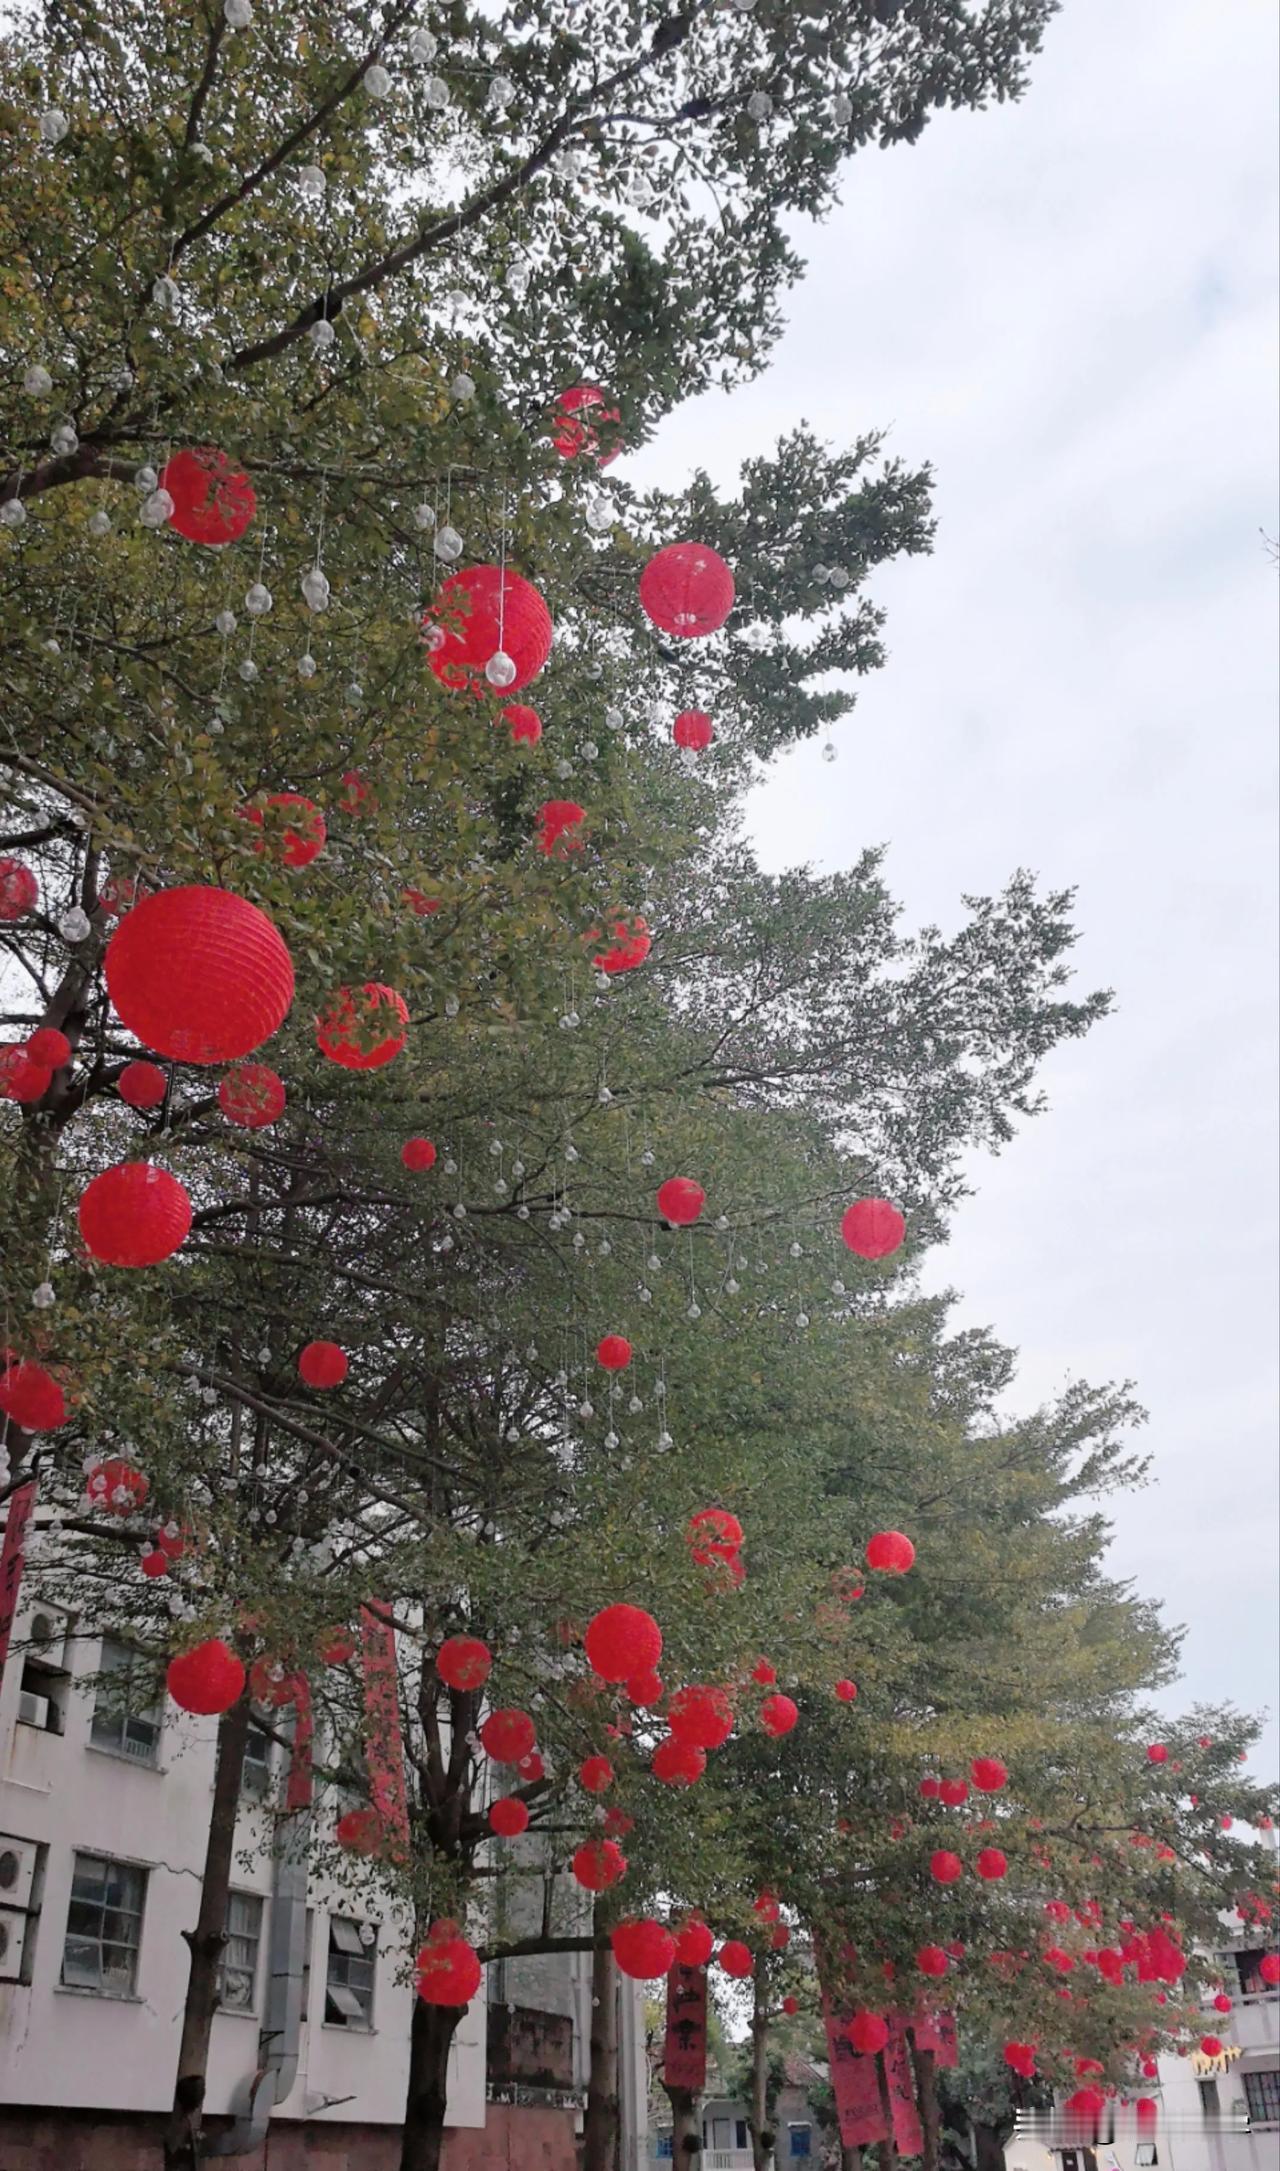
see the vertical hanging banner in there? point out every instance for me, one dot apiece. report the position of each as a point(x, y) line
point(684, 2056)
point(853, 2084)
point(298, 1788)
point(937, 2032)
point(907, 2134)
point(12, 1559)
point(383, 1741)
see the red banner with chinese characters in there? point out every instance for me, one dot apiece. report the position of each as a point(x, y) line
point(298, 1787)
point(936, 2032)
point(908, 2138)
point(684, 2057)
point(383, 1741)
point(854, 2084)
point(12, 1557)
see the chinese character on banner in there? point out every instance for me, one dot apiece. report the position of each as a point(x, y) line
point(12, 1556)
point(383, 1741)
point(907, 2135)
point(684, 2057)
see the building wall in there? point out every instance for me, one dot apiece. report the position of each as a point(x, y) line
point(523, 2139)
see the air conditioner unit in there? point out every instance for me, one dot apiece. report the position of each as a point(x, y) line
point(34, 1710)
point(41, 1633)
point(18, 1859)
point(14, 1930)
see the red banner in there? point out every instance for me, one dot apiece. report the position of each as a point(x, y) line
point(936, 2032)
point(298, 1787)
point(908, 2138)
point(684, 2057)
point(12, 1557)
point(854, 2085)
point(383, 1741)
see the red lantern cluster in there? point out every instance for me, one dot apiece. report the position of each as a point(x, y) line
point(701, 1715)
point(693, 731)
point(30, 1396)
point(630, 946)
point(558, 820)
point(448, 1970)
point(484, 610)
point(573, 435)
point(252, 1096)
point(687, 590)
point(207, 1680)
point(622, 1641)
point(19, 890)
point(680, 1201)
point(296, 838)
point(890, 1552)
point(643, 1949)
point(134, 1214)
point(599, 1864)
point(508, 1735)
point(323, 1364)
point(464, 1662)
point(363, 1028)
point(872, 1228)
point(213, 502)
point(199, 974)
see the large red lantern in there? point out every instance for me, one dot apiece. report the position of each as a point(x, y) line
point(693, 731)
point(31, 1396)
point(868, 2033)
point(573, 435)
point(507, 1735)
point(485, 611)
point(363, 1028)
point(630, 946)
point(778, 1714)
point(464, 1662)
point(207, 1680)
point(931, 1960)
point(613, 1352)
point(991, 1864)
point(643, 1949)
point(622, 1641)
point(142, 1085)
point(323, 1364)
point(199, 974)
point(890, 1552)
point(19, 890)
point(599, 1864)
point(735, 1958)
point(558, 820)
point(988, 1774)
point(678, 1763)
point(680, 1201)
point(508, 1816)
point(213, 502)
point(296, 837)
point(448, 1971)
point(714, 1534)
point(418, 1154)
point(252, 1096)
point(701, 1715)
point(687, 590)
point(134, 1214)
point(1021, 2057)
point(694, 1945)
point(872, 1228)
point(526, 724)
point(945, 1867)
point(595, 1773)
point(953, 1792)
point(1269, 1969)
point(48, 1047)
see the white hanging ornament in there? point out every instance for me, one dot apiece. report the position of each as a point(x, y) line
point(377, 81)
point(238, 13)
point(225, 622)
point(829, 751)
point(258, 600)
point(37, 381)
point(164, 294)
point(13, 513)
point(321, 335)
point(732, 1287)
point(155, 510)
point(842, 108)
point(307, 665)
point(436, 92)
point(463, 388)
point(74, 925)
point(248, 670)
point(145, 480)
point(315, 589)
point(65, 438)
point(501, 92)
point(424, 515)
point(53, 125)
point(312, 183)
point(42, 1296)
point(599, 515)
point(422, 47)
point(759, 105)
point(99, 523)
point(447, 543)
point(500, 670)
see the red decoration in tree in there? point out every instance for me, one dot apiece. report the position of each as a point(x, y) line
point(134, 1214)
point(31, 1396)
point(19, 891)
point(252, 1096)
point(954, 1791)
point(154, 1563)
point(701, 1715)
point(574, 436)
point(617, 1823)
point(116, 1486)
point(767, 1905)
point(595, 1773)
point(988, 1774)
point(599, 1864)
point(735, 1958)
point(199, 974)
point(778, 1714)
point(531, 1767)
point(271, 1684)
point(890, 1552)
point(448, 1971)
point(714, 1534)
point(694, 1944)
point(297, 841)
point(483, 610)
point(1211, 2046)
point(945, 1867)
point(117, 894)
point(1086, 2102)
point(338, 1646)
point(991, 1864)
point(360, 1831)
point(357, 793)
point(1222, 2003)
point(464, 1662)
point(764, 1674)
point(872, 1228)
point(613, 1351)
point(507, 1735)
point(21, 1079)
point(418, 1154)
point(631, 945)
point(142, 1085)
point(931, 1960)
point(508, 1816)
point(323, 1364)
point(930, 1789)
point(868, 2033)
point(1157, 1753)
point(622, 1641)
point(213, 502)
point(363, 1028)
point(643, 1949)
point(678, 1763)
point(693, 731)
point(1269, 1969)
point(779, 1937)
point(49, 1048)
point(687, 590)
point(207, 1680)
point(791, 2007)
point(847, 1691)
point(557, 819)
point(1022, 2058)
point(645, 1690)
point(680, 1201)
point(525, 723)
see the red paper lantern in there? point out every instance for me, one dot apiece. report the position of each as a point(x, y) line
point(482, 611)
point(31, 1396)
point(890, 1552)
point(49, 1048)
point(945, 1867)
point(272, 1684)
point(213, 502)
point(687, 590)
point(531, 1767)
point(19, 890)
point(296, 842)
point(464, 1662)
point(155, 1563)
point(142, 1085)
point(508, 1816)
point(360, 1831)
point(1211, 2046)
point(645, 1690)
point(252, 1096)
point(764, 1673)
point(847, 1691)
point(931, 1960)
point(526, 724)
point(362, 1028)
point(991, 1864)
point(778, 1714)
point(1022, 2058)
point(1269, 1969)
point(868, 2033)
point(953, 1792)
point(779, 1937)
point(507, 1735)
point(613, 1351)
point(701, 1715)
point(643, 1949)
point(134, 1214)
point(791, 2007)
point(1222, 2003)
point(199, 974)
point(599, 1864)
point(767, 1905)
point(872, 1228)
point(693, 731)
point(713, 1533)
point(207, 1680)
point(735, 1958)
point(357, 793)
point(595, 1773)
point(988, 1774)
point(678, 1763)
point(448, 1971)
point(418, 1154)
point(557, 820)
point(631, 945)
point(622, 1641)
point(116, 1486)
point(694, 1945)
point(21, 1079)
point(338, 1646)
point(323, 1364)
point(574, 436)
point(680, 1201)
point(930, 1789)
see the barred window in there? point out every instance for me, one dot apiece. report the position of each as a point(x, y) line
point(126, 1710)
point(238, 1968)
point(104, 1926)
point(1262, 2094)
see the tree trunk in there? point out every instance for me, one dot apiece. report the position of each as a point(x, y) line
point(926, 2073)
point(888, 2148)
point(686, 2127)
point(431, 2032)
point(600, 2126)
point(182, 2136)
point(990, 2148)
point(850, 2159)
point(762, 2135)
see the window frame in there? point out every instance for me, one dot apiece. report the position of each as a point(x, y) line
point(364, 1956)
point(227, 1966)
point(109, 1862)
point(796, 2127)
point(1268, 2116)
point(252, 1791)
point(126, 1661)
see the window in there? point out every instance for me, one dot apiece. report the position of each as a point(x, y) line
point(1210, 2101)
point(1146, 2155)
point(307, 1935)
point(1247, 1966)
point(741, 2127)
point(255, 1778)
point(1262, 2094)
point(126, 1713)
point(666, 2145)
point(238, 1969)
point(104, 1926)
point(799, 2140)
point(348, 1991)
point(721, 2130)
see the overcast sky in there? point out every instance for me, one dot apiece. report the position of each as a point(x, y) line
point(1069, 307)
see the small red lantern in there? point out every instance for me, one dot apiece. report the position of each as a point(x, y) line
point(49, 1048)
point(988, 1774)
point(714, 1534)
point(557, 821)
point(791, 2007)
point(418, 1154)
point(595, 1773)
point(271, 1684)
point(868, 2033)
point(693, 731)
point(930, 1789)
point(142, 1085)
point(508, 1816)
point(21, 1079)
point(890, 1552)
point(134, 1214)
point(1157, 1753)
point(531, 1767)
point(678, 1763)
point(778, 1714)
point(622, 1641)
point(323, 1364)
point(464, 1662)
point(363, 1028)
point(207, 1680)
point(847, 1691)
point(1222, 2003)
point(873, 1228)
point(953, 1792)
point(764, 1674)
point(19, 891)
point(1211, 2046)
point(735, 1958)
point(357, 793)
point(485, 611)
point(154, 1563)
point(213, 502)
point(631, 945)
point(991, 1864)
point(945, 1867)
point(780, 1937)
point(701, 1715)
point(507, 1735)
point(338, 1646)
point(1021, 2058)
point(297, 840)
point(694, 1945)
point(526, 724)
point(448, 1971)
point(1269, 1969)
point(359, 1831)
point(599, 1864)
point(252, 1096)
point(931, 1960)
point(199, 974)
point(116, 1486)
point(643, 1949)
point(680, 1201)
point(31, 1397)
point(613, 1351)
point(687, 590)
point(574, 436)
point(117, 894)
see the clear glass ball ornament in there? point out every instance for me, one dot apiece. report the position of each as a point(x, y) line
point(722, 1221)
point(13, 513)
point(500, 670)
point(517, 1170)
point(495, 1147)
point(225, 623)
point(315, 589)
point(820, 575)
point(354, 691)
point(447, 543)
point(155, 510)
point(653, 1263)
point(501, 92)
point(614, 719)
point(603, 1097)
point(512, 1435)
point(462, 388)
point(590, 751)
point(837, 1287)
point(694, 1311)
point(321, 335)
point(644, 1293)
point(518, 277)
point(145, 479)
point(522, 1213)
point(587, 1410)
point(603, 983)
point(759, 105)
point(99, 523)
point(43, 1296)
point(732, 1287)
point(264, 1355)
point(612, 1441)
point(647, 1158)
point(829, 752)
point(164, 294)
point(422, 47)
point(436, 93)
point(501, 1187)
point(258, 600)
point(248, 670)
point(312, 184)
point(795, 1251)
point(74, 925)
point(604, 1249)
point(37, 381)
point(53, 125)
point(564, 768)
point(424, 515)
point(838, 576)
point(572, 1020)
point(271, 1516)
point(307, 665)
point(238, 13)
point(52, 647)
point(554, 1222)
point(65, 438)
point(634, 1405)
point(377, 81)
point(598, 515)
point(842, 108)
point(450, 1165)
point(665, 1441)
point(446, 1242)
point(802, 1319)
point(451, 1006)
point(579, 1240)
